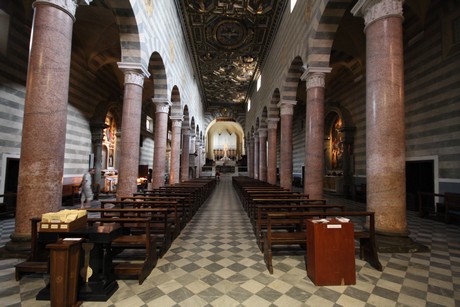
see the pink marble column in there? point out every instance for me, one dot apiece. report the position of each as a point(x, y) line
point(272, 145)
point(263, 154)
point(251, 157)
point(256, 155)
point(175, 149)
point(45, 116)
point(185, 154)
point(130, 129)
point(385, 135)
point(314, 135)
point(160, 139)
point(286, 111)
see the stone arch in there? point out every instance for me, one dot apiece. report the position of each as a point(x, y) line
point(158, 76)
point(273, 110)
point(292, 80)
point(128, 25)
point(325, 21)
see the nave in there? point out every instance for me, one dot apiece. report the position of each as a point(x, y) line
point(216, 262)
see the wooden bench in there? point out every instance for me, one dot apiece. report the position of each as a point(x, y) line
point(280, 201)
point(38, 260)
point(175, 214)
point(160, 225)
point(279, 233)
point(261, 221)
point(137, 236)
point(445, 206)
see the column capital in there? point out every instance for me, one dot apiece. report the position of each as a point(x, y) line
point(272, 123)
point(186, 131)
point(68, 6)
point(176, 121)
point(287, 107)
point(373, 10)
point(162, 105)
point(309, 71)
point(134, 73)
point(262, 132)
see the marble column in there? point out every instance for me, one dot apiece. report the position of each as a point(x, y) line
point(256, 155)
point(160, 139)
point(385, 135)
point(286, 111)
point(272, 150)
point(45, 116)
point(184, 158)
point(97, 137)
point(314, 134)
point(174, 172)
point(263, 154)
point(131, 128)
point(251, 157)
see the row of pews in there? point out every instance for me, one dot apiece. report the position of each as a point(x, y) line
point(279, 219)
point(149, 222)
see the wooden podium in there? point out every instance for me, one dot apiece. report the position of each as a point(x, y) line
point(331, 253)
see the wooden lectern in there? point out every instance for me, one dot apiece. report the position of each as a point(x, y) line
point(331, 253)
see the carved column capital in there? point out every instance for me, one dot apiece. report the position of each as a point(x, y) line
point(287, 107)
point(373, 10)
point(272, 123)
point(68, 6)
point(262, 132)
point(134, 73)
point(162, 105)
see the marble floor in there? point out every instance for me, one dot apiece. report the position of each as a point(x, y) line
point(216, 262)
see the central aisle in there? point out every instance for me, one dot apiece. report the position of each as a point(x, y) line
point(215, 261)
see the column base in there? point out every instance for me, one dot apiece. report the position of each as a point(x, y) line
point(398, 244)
point(18, 247)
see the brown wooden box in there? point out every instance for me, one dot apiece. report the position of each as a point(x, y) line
point(331, 253)
point(64, 227)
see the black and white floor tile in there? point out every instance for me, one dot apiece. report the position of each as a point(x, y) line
point(216, 262)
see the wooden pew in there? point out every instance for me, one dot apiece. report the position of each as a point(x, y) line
point(38, 260)
point(160, 225)
point(261, 222)
point(275, 235)
point(137, 237)
point(176, 215)
point(280, 201)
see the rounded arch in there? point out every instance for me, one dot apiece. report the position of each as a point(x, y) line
point(129, 32)
point(273, 110)
point(263, 119)
point(186, 121)
point(289, 93)
point(158, 75)
point(320, 41)
point(176, 107)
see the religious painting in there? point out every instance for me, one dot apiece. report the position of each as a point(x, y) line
point(336, 146)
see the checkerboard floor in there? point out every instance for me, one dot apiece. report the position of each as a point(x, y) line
point(215, 262)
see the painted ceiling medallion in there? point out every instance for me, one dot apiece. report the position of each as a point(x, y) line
point(230, 34)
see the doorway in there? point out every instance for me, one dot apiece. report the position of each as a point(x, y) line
point(419, 178)
point(11, 176)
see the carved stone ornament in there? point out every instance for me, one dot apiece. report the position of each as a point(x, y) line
point(286, 107)
point(315, 80)
point(262, 133)
point(272, 123)
point(68, 6)
point(377, 9)
point(135, 78)
point(176, 122)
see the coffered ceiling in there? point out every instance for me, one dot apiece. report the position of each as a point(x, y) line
point(229, 40)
